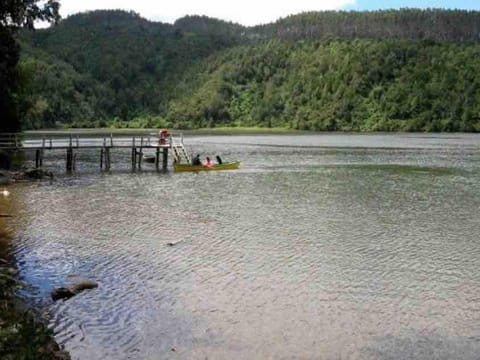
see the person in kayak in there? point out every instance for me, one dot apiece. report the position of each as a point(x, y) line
point(219, 160)
point(196, 160)
point(208, 162)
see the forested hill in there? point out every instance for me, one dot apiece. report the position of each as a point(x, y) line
point(360, 85)
point(389, 70)
point(104, 64)
point(406, 24)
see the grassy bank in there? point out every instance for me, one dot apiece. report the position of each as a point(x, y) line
point(240, 131)
point(140, 131)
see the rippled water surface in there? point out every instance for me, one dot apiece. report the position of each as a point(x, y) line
point(319, 247)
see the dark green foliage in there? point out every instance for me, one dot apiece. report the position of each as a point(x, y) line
point(13, 14)
point(115, 64)
point(9, 55)
point(219, 31)
point(361, 85)
point(16, 13)
point(408, 70)
point(405, 24)
point(53, 93)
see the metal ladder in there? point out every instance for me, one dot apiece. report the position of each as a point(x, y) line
point(180, 154)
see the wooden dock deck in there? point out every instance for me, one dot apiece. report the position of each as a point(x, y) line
point(72, 143)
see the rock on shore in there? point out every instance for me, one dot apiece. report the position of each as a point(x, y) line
point(73, 289)
point(7, 177)
point(36, 174)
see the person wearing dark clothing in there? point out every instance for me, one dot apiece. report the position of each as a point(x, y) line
point(219, 160)
point(196, 160)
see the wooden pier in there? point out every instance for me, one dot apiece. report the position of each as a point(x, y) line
point(72, 144)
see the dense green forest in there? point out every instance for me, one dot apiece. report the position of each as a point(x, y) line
point(406, 24)
point(360, 85)
point(407, 70)
point(112, 64)
point(15, 14)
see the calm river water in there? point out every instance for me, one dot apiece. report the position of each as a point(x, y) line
point(319, 247)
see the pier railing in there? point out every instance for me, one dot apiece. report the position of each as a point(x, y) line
point(62, 141)
point(73, 142)
point(10, 141)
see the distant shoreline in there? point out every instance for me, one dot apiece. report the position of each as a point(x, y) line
point(154, 131)
point(218, 131)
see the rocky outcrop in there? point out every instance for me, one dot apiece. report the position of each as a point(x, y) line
point(73, 289)
point(37, 174)
point(7, 177)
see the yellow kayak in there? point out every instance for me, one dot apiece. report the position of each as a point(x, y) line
point(225, 166)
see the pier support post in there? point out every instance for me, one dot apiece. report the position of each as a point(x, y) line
point(107, 158)
point(157, 159)
point(69, 160)
point(140, 155)
point(165, 160)
point(38, 158)
point(134, 158)
point(74, 162)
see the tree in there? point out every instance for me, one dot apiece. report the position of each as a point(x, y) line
point(9, 55)
point(13, 15)
point(24, 13)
